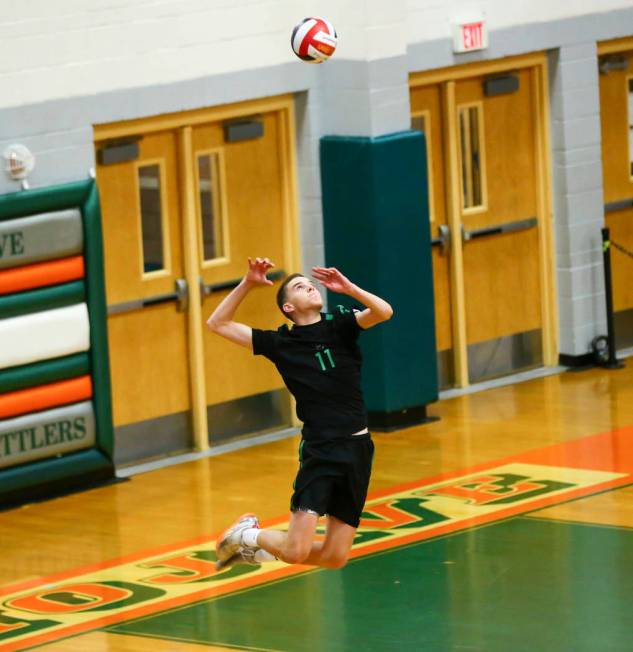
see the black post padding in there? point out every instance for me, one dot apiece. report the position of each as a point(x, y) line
point(612, 362)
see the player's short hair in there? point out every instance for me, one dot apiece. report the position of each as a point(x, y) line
point(281, 293)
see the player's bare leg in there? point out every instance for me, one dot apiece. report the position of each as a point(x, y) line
point(297, 546)
point(293, 546)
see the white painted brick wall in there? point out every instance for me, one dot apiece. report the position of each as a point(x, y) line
point(578, 196)
point(432, 19)
point(68, 48)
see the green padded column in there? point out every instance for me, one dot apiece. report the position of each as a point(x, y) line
point(376, 229)
point(48, 476)
point(95, 289)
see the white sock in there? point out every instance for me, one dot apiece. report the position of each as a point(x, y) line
point(263, 555)
point(249, 537)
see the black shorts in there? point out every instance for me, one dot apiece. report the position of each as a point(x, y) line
point(333, 477)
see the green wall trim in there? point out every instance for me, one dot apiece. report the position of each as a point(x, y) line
point(95, 289)
point(57, 296)
point(44, 200)
point(376, 230)
point(40, 373)
point(50, 476)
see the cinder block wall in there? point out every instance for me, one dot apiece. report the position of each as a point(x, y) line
point(70, 64)
point(578, 196)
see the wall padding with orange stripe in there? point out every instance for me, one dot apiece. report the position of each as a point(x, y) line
point(44, 335)
point(42, 397)
point(29, 277)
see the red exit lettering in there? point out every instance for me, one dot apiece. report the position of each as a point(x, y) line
point(473, 36)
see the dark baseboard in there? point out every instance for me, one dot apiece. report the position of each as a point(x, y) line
point(399, 419)
point(577, 362)
point(152, 438)
point(39, 493)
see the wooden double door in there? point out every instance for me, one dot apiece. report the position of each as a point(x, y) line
point(486, 144)
point(185, 200)
point(616, 112)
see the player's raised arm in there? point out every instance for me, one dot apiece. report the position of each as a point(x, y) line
point(221, 320)
point(377, 310)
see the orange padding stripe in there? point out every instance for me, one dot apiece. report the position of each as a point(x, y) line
point(34, 399)
point(51, 272)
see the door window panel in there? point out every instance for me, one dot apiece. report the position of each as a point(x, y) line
point(210, 206)
point(151, 206)
point(470, 140)
point(422, 122)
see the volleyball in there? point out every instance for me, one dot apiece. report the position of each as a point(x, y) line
point(314, 40)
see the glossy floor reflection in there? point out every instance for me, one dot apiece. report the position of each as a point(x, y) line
point(524, 584)
point(557, 580)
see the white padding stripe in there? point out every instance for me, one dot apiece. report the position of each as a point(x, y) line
point(44, 335)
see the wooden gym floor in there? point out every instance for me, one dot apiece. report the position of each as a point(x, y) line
point(507, 524)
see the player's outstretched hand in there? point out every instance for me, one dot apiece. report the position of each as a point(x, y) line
point(332, 279)
point(257, 270)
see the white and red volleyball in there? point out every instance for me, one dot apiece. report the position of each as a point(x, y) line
point(314, 40)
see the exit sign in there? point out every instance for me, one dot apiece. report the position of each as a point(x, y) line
point(470, 36)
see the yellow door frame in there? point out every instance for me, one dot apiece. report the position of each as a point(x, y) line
point(182, 123)
point(447, 77)
point(194, 313)
point(453, 208)
point(615, 45)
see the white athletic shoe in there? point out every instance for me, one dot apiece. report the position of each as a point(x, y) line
point(244, 555)
point(230, 541)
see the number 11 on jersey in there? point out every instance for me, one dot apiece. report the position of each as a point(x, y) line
point(319, 357)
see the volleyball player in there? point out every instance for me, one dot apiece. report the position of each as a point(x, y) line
point(320, 363)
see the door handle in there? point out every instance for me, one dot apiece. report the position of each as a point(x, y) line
point(507, 227)
point(619, 205)
point(443, 239)
point(180, 296)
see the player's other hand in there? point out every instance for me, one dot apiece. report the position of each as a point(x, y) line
point(332, 279)
point(257, 270)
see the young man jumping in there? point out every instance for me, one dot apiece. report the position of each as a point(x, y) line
point(320, 363)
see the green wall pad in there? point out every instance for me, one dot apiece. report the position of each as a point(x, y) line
point(53, 476)
point(40, 237)
point(44, 434)
point(376, 229)
point(57, 296)
point(43, 478)
point(42, 373)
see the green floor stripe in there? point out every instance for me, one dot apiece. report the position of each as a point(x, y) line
point(572, 521)
point(522, 585)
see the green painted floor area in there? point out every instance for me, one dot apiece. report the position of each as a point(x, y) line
point(521, 585)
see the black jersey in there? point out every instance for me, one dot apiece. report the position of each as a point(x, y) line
point(320, 364)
